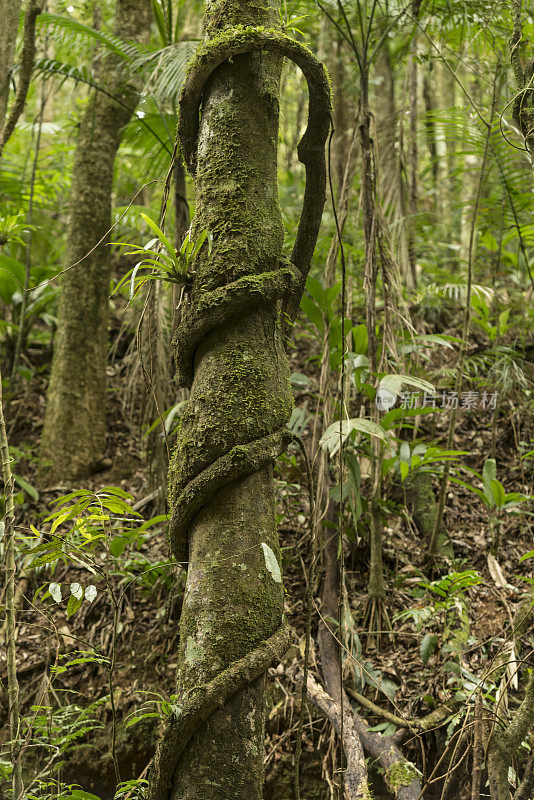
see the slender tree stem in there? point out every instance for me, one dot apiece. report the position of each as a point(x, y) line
point(28, 256)
point(26, 69)
point(9, 540)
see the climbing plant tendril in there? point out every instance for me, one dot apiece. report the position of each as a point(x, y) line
point(203, 702)
point(220, 443)
point(213, 308)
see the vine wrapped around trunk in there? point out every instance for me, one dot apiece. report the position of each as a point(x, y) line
point(211, 309)
point(230, 350)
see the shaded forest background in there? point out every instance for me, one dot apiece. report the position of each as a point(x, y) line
point(416, 327)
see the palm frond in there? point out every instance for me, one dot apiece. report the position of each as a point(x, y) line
point(74, 31)
point(164, 70)
point(52, 66)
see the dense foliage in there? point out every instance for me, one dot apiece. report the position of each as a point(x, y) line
point(412, 372)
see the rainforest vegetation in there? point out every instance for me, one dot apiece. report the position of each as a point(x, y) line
point(266, 399)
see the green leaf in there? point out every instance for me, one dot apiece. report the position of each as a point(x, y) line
point(469, 486)
point(312, 312)
point(27, 487)
point(489, 473)
point(452, 666)
point(498, 493)
point(330, 440)
point(11, 277)
point(118, 545)
point(65, 499)
point(117, 491)
point(390, 419)
point(198, 244)
point(315, 288)
point(73, 605)
point(359, 339)
point(394, 384)
point(428, 646)
point(159, 233)
point(443, 340)
point(299, 380)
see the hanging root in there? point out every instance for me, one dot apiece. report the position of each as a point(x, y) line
point(198, 471)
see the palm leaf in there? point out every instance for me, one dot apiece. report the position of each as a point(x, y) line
point(76, 31)
point(164, 70)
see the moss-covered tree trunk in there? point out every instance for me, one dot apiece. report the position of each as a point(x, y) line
point(74, 435)
point(240, 392)
point(221, 478)
point(9, 14)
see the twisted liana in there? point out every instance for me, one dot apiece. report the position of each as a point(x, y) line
point(207, 309)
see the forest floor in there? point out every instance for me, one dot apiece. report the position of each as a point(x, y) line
point(472, 626)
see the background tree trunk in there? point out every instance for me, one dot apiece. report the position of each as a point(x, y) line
point(9, 14)
point(74, 434)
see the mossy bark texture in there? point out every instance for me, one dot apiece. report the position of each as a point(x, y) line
point(9, 13)
point(24, 73)
point(74, 435)
point(230, 351)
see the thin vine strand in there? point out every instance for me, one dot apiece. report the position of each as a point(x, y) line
point(341, 447)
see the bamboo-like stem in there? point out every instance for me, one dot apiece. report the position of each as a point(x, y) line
point(9, 539)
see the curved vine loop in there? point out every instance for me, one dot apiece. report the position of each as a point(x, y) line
point(214, 308)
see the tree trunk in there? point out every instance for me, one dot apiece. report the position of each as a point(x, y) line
point(235, 422)
point(413, 161)
point(74, 434)
point(390, 147)
point(9, 13)
point(240, 392)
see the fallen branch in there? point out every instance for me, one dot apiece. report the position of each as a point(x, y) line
point(356, 772)
point(434, 719)
point(401, 776)
point(381, 712)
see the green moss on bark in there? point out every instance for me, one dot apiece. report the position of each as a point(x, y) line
point(240, 393)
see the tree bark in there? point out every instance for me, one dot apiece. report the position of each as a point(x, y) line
point(504, 744)
point(9, 13)
point(74, 434)
point(239, 392)
point(24, 75)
